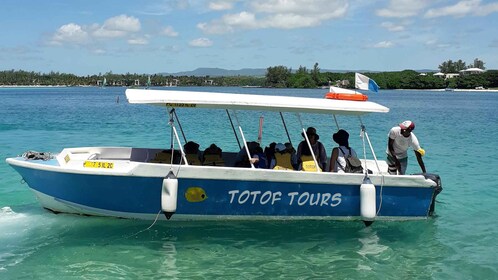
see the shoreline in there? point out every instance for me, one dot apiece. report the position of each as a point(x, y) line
point(66, 86)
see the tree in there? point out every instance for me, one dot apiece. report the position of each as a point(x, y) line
point(460, 65)
point(315, 73)
point(277, 76)
point(478, 64)
point(452, 67)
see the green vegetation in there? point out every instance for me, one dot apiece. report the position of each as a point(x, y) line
point(276, 76)
point(454, 67)
point(281, 76)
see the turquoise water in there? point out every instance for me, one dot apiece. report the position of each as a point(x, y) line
point(457, 129)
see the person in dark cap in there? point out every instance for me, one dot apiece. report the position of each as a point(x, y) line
point(318, 149)
point(192, 152)
point(339, 154)
point(400, 138)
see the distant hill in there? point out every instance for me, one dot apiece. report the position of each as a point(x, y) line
point(256, 72)
point(217, 72)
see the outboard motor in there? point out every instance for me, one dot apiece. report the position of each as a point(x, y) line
point(437, 189)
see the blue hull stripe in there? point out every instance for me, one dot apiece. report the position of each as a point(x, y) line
point(224, 197)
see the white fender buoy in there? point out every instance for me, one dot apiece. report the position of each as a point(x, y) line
point(367, 201)
point(169, 195)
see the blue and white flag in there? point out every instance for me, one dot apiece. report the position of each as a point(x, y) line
point(365, 83)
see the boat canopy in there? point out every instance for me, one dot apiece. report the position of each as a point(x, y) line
point(216, 100)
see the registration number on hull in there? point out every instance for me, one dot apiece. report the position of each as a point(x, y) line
point(98, 164)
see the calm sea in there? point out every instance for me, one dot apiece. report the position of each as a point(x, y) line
point(457, 129)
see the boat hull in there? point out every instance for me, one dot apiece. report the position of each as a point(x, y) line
point(220, 195)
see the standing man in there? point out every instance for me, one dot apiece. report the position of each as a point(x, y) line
point(400, 139)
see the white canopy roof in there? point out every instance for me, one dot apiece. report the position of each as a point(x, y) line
point(215, 100)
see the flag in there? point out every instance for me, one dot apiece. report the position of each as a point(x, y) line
point(364, 82)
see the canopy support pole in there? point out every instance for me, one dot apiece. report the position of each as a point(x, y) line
point(180, 125)
point(336, 123)
point(243, 139)
point(174, 134)
point(285, 126)
point(233, 128)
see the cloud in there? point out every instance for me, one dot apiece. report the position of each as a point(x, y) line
point(70, 33)
point(118, 26)
point(165, 7)
point(98, 51)
point(434, 43)
point(384, 45)
point(278, 14)
point(463, 8)
point(114, 27)
point(138, 41)
point(403, 8)
point(221, 5)
point(392, 27)
point(201, 43)
point(169, 31)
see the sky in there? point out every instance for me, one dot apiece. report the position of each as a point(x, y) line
point(86, 37)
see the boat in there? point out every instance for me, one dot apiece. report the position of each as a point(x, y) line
point(144, 183)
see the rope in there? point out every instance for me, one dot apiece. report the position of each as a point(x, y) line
point(137, 233)
point(364, 135)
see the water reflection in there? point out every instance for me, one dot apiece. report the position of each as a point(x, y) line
point(168, 268)
point(370, 243)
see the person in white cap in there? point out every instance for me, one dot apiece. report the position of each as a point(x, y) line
point(400, 139)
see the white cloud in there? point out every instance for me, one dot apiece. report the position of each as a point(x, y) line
point(138, 41)
point(201, 43)
point(392, 27)
point(403, 8)
point(118, 26)
point(214, 27)
point(99, 51)
point(121, 26)
point(434, 43)
point(279, 14)
point(169, 31)
point(69, 33)
point(221, 5)
point(463, 8)
point(123, 23)
point(384, 45)
point(243, 19)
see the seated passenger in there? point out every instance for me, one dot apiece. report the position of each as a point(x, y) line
point(213, 156)
point(164, 156)
point(304, 156)
point(192, 153)
point(283, 158)
point(338, 158)
point(258, 158)
point(270, 153)
point(291, 149)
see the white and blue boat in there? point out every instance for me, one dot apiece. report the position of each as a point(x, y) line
point(142, 183)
